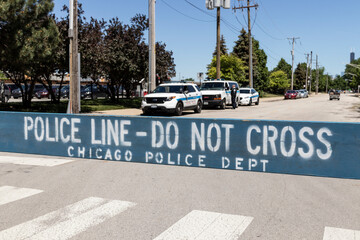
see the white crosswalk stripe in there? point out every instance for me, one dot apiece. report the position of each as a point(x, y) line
point(10, 194)
point(331, 233)
point(202, 225)
point(69, 221)
point(34, 161)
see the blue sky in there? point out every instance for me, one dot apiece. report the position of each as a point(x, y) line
point(328, 28)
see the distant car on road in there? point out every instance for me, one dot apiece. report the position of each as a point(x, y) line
point(303, 93)
point(334, 94)
point(290, 94)
point(173, 98)
point(249, 96)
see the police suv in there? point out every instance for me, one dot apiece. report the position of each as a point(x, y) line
point(173, 98)
point(249, 96)
point(218, 93)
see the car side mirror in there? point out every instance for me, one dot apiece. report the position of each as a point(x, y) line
point(186, 92)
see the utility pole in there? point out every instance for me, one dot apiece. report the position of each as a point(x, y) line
point(218, 43)
point(310, 72)
point(317, 76)
point(211, 4)
point(307, 71)
point(293, 57)
point(74, 102)
point(152, 47)
point(248, 7)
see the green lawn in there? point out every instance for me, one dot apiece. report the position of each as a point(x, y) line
point(270, 95)
point(87, 106)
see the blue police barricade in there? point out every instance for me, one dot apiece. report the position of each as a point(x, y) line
point(308, 148)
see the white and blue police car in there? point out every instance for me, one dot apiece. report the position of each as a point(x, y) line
point(173, 98)
point(249, 96)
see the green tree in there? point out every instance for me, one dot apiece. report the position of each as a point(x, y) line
point(352, 74)
point(260, 70)
point(232, 68)
point(223, 48)
point(28, 41)
point(165, 66)
point(279, 82)
point(300, 76)
point(283, 66)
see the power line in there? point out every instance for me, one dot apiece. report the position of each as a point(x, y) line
point(275, 25)
point(167, 4)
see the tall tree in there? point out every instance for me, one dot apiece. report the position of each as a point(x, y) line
point(300, 76)
point(232, 68)
point(223, 48)
point(260, 70)
point(283, 66)
point(165, 66)
point(279, 82)
point(28, 41)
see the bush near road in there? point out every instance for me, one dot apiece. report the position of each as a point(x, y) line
point(87, 106)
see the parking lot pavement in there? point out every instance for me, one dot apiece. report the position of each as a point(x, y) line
point(94, 199)
point(314, 108)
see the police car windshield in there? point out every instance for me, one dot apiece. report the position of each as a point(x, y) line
point(244, 91)
point(213, 86)
point(169, 89)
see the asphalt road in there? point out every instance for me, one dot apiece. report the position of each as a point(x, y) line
point(93, 199)
point(314, 108)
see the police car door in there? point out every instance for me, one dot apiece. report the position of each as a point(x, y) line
point(228, 93)
point(192, 96)
point(254, 95)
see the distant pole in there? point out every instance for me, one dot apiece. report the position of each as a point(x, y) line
point(310, 72)
point(293, 58)
point(218, 43)
point(317, 76)
point(250, 48)
point(307, 71)
point(74, 103)
point(152, 48)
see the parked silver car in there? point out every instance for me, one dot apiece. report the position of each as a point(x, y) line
point(303, 93)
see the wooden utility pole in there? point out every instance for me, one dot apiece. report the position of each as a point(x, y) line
point(74, 92)
point(293, 58)
point(307, 71)
point(248, 7)
point(317, 76)
point(310, 72)
point(327, 82)
point(152, 48)
point(218, 43)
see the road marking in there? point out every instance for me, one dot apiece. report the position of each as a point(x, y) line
point(207, 225)
point(69, 221)
point(10, 194)
point(141, 134)
point(331, 233)
point(45, 162)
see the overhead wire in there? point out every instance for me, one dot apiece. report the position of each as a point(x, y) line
point(167, 4)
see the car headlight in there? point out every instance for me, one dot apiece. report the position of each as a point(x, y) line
point(217, 97)
point(170, 98)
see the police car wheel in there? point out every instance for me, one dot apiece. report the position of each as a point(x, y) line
point(223, 104)
point(198, 107)
point(179, 109)
point(258, 101)
point(250, 102)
